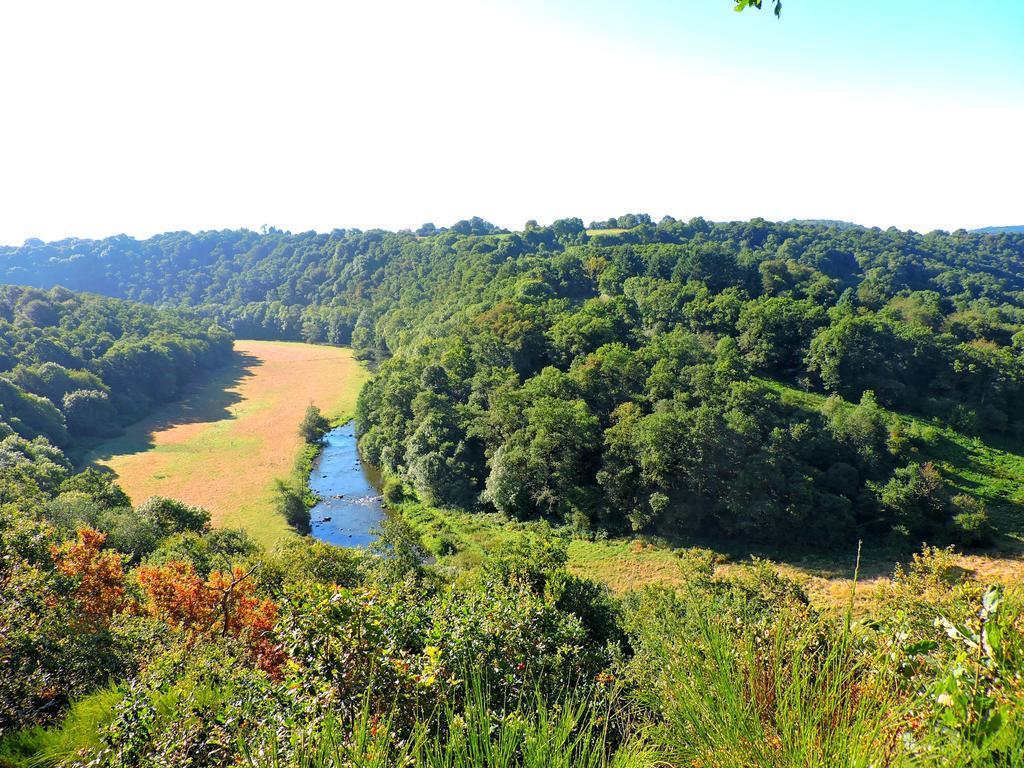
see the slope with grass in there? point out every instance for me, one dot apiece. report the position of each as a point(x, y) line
point(990, 468)
point(226, 441)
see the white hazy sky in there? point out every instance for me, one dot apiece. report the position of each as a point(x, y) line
point(148, 116)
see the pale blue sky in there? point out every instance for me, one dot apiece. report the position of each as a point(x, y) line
point(969, 48)
point(120, 116)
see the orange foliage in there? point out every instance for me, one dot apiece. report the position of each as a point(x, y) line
point(245, 610)
point(177, 595)
point(247, 615)
point(225, 604)
point(98, 575)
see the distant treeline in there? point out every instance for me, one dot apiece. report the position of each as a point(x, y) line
point(999, 230)
point(614, 378)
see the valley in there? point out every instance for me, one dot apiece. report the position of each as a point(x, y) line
point(662, 473)
point(232, 434)
point(347, 423)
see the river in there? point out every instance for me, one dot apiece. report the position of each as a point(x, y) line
point(350, 504)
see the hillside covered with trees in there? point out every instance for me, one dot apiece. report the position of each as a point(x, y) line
point(75, 366)
point(624, 376)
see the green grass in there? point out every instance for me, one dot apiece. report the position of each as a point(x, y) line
point(768, 699)
point(534, 732)
point(626, 564)
point(78, 730)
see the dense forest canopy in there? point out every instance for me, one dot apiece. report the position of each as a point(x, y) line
point(314, 286)
point(78, 365)
point(620, 376)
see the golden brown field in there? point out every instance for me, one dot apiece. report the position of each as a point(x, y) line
point(227, 439)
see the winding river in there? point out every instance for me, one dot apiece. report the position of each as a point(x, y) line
point(350, 504)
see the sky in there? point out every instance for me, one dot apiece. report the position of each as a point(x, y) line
point(144, 117)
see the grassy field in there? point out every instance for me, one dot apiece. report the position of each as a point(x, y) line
point(229, 437)
point(614, 231)
point(462, 539)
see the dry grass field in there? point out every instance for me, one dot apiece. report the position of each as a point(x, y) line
point(228, 438)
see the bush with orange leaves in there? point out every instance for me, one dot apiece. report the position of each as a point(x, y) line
point(98, 576)
point(176, 595)
point(225, 604)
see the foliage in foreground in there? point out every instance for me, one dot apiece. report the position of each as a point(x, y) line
point(209, 652)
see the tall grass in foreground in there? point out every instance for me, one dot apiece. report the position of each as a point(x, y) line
point(535, 733)
point(774, 698)
point(79, 731)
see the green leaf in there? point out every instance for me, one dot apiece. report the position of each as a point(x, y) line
point(923, 646)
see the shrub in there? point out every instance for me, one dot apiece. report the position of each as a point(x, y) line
point(291, 503)
point(71, 510)
point(98, 577)
point(174, 516)
point(971, 525)
point(305, 560)
point(100, 486)
point(914, 498)
point(393, 491)
point(89, 412)
point(313, 425)
point(190, 708)
point(526, 559)
point(205, 550)
point(135, 535)
point(440, 544)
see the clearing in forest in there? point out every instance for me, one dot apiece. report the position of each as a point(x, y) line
point(230, 436)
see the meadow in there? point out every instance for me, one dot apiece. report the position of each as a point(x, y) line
point(226, 441)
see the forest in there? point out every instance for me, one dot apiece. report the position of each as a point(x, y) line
point(75, 366)
point(620, 376)
point(691, 381)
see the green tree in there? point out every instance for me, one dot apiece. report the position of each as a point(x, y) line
point(744, 4)
point(313, 425)
point(89, 412)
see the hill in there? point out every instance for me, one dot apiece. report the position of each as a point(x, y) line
point(74, 366)
point(1000, 230)
point(542, 372)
